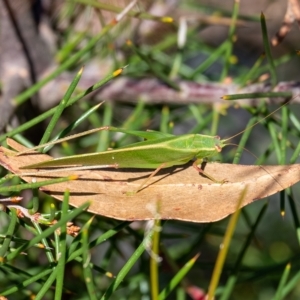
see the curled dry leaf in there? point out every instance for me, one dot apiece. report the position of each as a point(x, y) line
point(181, 192)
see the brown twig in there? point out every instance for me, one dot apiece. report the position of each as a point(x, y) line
point(292, 14)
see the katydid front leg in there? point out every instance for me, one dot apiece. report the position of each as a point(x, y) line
point(195, 165)
point(198, 162)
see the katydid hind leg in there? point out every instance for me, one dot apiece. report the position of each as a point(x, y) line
point(148, 135)
point(70, 137)
point(143, 184)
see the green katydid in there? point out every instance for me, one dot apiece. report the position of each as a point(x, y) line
point(160, 150)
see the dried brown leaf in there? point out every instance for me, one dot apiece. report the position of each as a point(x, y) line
point(182, 193)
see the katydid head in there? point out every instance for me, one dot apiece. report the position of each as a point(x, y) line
point(206, 145)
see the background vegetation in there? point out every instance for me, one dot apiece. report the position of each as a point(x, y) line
point(109, 258)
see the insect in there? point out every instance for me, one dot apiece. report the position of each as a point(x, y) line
point(158, 151)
